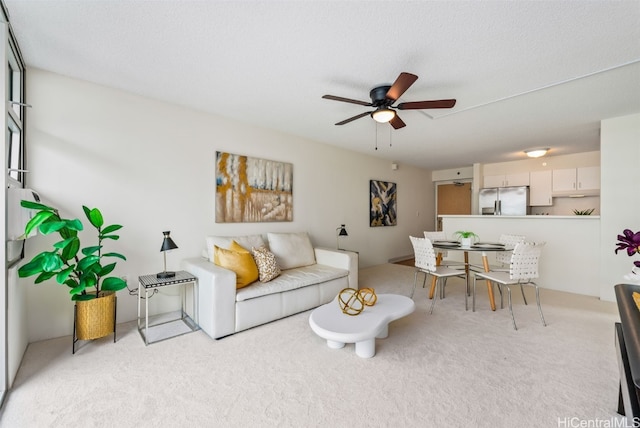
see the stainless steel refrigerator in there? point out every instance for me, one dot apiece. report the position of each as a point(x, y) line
point(504, 201)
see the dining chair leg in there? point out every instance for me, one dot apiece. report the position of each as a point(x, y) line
point(523, 296)
point(511, 308)
point(415, 280)
point(466, 298)
point(473, 300)
point(433, 301)
point(539, 307)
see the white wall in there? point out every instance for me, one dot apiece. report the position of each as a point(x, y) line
point(620, 157)
point(570, 257)
point(150, 166)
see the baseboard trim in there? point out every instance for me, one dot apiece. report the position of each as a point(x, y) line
point(400, 259)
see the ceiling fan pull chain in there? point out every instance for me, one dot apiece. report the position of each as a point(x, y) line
point(376, 129)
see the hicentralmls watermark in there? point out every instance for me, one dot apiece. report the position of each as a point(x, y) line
point(575, 422)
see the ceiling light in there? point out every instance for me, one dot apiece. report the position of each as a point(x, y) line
point(536, 153)
point(383, 115)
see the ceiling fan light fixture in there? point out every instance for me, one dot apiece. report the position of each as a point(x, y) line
point(383, 115)
point(536, 153)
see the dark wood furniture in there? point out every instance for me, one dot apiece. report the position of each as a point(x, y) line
point(627, 338)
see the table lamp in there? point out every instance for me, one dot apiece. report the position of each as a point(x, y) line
point(342, 231)
point(167, 244)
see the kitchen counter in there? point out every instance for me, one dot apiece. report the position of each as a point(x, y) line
point(571, 257)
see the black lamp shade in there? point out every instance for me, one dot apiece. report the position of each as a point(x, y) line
point(343, 231)
point(167, 243)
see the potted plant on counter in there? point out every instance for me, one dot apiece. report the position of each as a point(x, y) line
point(81, 269)
point(466, 237)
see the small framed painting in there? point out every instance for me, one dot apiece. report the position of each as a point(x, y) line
point(382, 203)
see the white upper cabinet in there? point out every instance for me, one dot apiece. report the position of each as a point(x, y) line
point(507, 180)
point(588, 178)
point(576, 180)
point(540, 190)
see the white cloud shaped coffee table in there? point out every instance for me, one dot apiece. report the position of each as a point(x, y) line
point(328, 322)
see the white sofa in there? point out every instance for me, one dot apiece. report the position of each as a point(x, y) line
point(224, 310)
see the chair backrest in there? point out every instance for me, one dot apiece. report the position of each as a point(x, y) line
point(525, 260)
point(438, 236)
point(504, 257)
point(424, 254)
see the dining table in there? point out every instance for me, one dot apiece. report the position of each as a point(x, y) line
point(480, 247)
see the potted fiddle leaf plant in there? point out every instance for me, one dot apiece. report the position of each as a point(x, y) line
point(86, 270)
point(466, 237)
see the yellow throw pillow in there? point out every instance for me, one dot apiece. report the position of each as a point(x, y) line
point(239, 260)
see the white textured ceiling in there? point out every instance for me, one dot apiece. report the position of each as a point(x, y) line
point(525, 73)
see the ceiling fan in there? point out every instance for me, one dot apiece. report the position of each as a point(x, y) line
point(383, 97)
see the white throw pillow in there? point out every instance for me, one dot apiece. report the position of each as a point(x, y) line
point(247, 242)
point(292, 250)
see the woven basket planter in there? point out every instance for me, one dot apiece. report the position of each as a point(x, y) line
point(96, 318)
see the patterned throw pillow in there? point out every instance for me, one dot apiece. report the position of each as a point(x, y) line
point(267, 265)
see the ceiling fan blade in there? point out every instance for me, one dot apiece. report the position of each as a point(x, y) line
point(351, 119)
point(416, 105)
point(397, 123)
point(346, 100)
point(401, 84)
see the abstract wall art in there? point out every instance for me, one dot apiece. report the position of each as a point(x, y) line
point(252, 190)
point(382, 203)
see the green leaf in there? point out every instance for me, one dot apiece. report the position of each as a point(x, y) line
point(35, 206)
point(79, 289)
point(63, 275)
point(118, 255)
point(71, 283)
point(83, 297)
point(70, 251)
point(95, 216)
point(107, 269)
point(51, 226)
point(111, 228)
point(36, 221)
point(114, 237)
point(44, 276)
point(113, 284)
point(62, 244)
point(51, 262)
point(74, 224)
point(87, 262)
point(34, 267)
point(90, 250)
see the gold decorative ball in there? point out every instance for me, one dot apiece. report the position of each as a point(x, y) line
point(350, 301)
point(368, 296)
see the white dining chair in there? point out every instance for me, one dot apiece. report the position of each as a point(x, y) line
point(503, 258)
point(441, 236)
point(425, 262)
point(523, 269)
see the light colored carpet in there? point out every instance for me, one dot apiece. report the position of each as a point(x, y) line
point(452, 368)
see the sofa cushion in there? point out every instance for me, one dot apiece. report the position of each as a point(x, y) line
point(267, 265)
point(247, 242)
point(292, 250)
point(291, 279)
point(238, 260)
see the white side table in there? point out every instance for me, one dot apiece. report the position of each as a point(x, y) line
point(166, 326)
